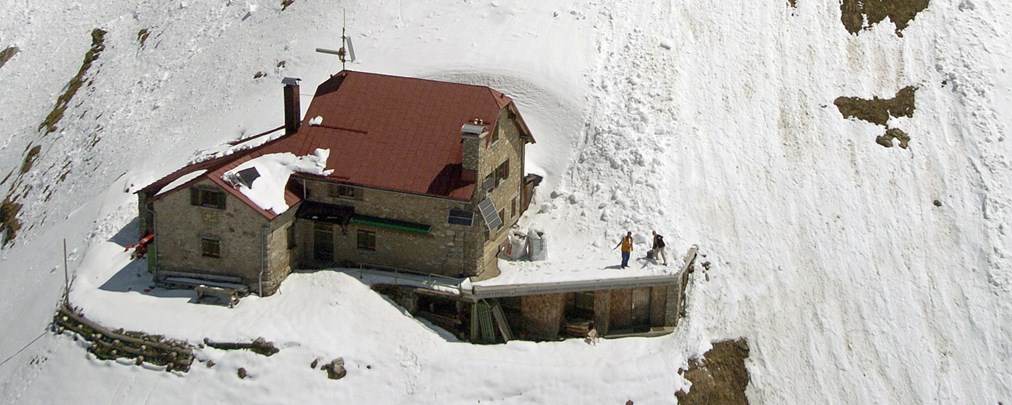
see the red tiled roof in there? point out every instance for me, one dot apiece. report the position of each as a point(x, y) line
point(397, 133)
point(388, 132)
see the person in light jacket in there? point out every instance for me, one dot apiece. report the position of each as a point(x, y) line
point(627, 247)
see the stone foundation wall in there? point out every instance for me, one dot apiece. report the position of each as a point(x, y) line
point(673, 305)
point(403, 296)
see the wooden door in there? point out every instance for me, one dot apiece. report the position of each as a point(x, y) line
point(323, 242)
point(621, 303)
point(640, 308)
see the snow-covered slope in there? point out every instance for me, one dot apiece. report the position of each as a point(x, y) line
point(712, 122)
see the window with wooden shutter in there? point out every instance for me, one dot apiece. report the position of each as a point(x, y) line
point(367, 241)
point(489, 184)
point(207, 197)
point(210, 247)
point(502, 172)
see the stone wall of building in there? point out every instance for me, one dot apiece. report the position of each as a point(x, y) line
point(542, 315)
point(503, 144)
point(281, 255)
point(240, 230)
point(145, 225)
point(447, 249)
point(144, 216)
point(673, 305)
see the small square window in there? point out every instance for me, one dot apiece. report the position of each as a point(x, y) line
point(367, 241)
point(210, 247)
point(341, 191)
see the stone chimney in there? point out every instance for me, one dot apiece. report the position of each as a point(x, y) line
point(293, 112)
point(472, 135)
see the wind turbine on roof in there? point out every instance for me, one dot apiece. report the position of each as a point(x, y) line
point(347, 51)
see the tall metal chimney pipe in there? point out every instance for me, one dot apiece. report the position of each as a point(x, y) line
point(293, 111)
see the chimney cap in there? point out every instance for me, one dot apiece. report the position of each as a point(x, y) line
point(290, 81)
point(471, 129)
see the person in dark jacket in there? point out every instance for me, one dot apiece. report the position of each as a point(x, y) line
point(659, 249)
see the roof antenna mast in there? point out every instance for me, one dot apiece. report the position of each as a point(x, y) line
point(347, 51)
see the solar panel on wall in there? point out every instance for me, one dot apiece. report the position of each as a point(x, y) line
point(490, 213)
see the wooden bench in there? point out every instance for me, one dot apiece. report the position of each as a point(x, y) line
point(220, 294)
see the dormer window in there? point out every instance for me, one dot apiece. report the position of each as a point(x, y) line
point(210, 247)
point(244, 177)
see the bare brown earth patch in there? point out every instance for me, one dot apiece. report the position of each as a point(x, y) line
point(30, 157)
point(878, 111)
point(142, 36)
point(9, 224)
point(893, 133)
point(7, 54)
point(720, 377)
point(862, 14)
point(10, 208)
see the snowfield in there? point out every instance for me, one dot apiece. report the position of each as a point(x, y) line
point(711, 122)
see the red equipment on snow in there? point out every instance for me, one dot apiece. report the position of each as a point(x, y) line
point(141, 247)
